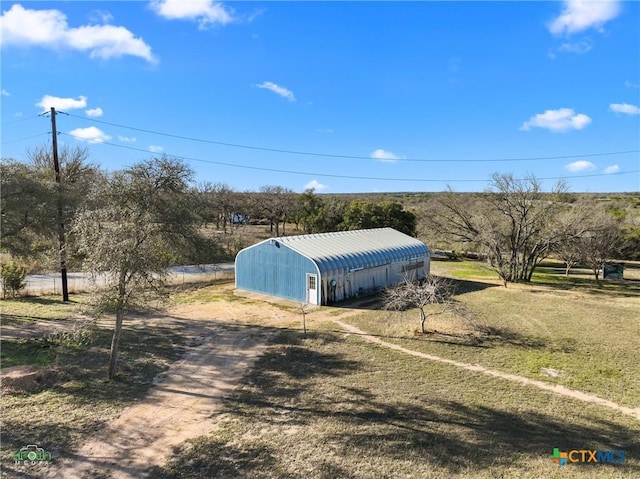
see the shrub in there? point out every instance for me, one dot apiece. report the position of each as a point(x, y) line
point(13, 274)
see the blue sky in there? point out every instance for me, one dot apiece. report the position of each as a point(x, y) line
point(400, 96)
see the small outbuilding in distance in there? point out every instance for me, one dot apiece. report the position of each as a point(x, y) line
point(326, 268)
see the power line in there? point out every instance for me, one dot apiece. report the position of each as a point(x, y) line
point(329, 155)
point(21, 119)
point(329, 175)
point(24, 138)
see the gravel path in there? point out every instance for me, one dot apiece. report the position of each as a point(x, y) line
point(554, 388)
point(183, 404)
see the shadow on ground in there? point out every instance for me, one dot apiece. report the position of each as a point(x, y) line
point(297, 407)
point(148, 348)
point(375, 301)
point(624, 288)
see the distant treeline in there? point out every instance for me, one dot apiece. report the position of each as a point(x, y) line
point(514, 224)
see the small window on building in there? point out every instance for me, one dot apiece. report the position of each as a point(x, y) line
point(312, 282)
point(409, 267)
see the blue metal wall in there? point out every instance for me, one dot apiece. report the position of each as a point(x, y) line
point(272, 268)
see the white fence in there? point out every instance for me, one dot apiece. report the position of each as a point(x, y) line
point(39, 284)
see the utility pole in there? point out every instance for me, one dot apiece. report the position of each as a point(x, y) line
point(60, 218)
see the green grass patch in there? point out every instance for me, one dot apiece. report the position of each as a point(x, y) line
point(590, 339)
point(45, 308)
point(20, 352)
point(548, 273)
point(80, 400)
point(198, 293)
point(332, 405)
point(583, 280)
point(465, 269)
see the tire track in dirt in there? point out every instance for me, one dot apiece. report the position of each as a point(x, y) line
point(554, 388)
point(182, 405)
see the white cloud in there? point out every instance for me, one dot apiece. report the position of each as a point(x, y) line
point(49, 29)
point(581, 165)
point(562, 119)
point(255, 15)
point(629, 84)
point(93, 112)
point(578, 47)
point(316, 185)
point(156, 149)
point(100, 16)
point(90, 134)
point(579, 15)
point(324, 130)
point(126, 139)
point(108, 41)
point(611, 169)
point(205, 12)
point(624, 108)
point(5, 92)
point(383, 155)
point(58, 103)
point(278, 90)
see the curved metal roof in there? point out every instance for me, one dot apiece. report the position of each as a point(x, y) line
point(359, 249)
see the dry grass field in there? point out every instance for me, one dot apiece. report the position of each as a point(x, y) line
point(333, 405)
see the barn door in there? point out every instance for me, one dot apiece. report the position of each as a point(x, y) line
point(312, 289)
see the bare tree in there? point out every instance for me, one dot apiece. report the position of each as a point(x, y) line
point(419, 294)
point(278, 204)
point(225, 200)
point(589, 234)
point(573, 224)
point(601, 242)
point(513, 223)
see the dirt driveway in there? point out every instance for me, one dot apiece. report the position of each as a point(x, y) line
point(185, 400)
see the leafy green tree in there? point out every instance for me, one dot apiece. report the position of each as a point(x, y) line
point(145, 220)
point(26, 215)
point(331, 216)
point(361, 214)
point(30, 195)
point(308, 210)
point(395, 216)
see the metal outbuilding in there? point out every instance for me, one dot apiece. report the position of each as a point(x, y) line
point(329, 267)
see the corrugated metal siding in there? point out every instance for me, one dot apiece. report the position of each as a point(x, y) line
point(344, 250)
point(358, 261)
point(356, 283)
point(272, 268)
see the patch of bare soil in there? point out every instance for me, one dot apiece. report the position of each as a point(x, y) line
point(37, 328)
point(29, 379)
point(185, 400)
